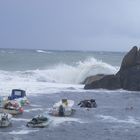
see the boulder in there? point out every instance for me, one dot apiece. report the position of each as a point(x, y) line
point(107, 82)
point(93, 78)
point(128, 77)
point(129, 59)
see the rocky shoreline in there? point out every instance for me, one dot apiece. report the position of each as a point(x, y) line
point(127, 78)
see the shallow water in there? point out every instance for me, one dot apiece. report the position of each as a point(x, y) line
point(117, 117)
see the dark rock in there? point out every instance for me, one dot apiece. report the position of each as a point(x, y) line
point(128, 77)
point(93, 78)
point(138, 57)
point(107, 82)
point(129, 59)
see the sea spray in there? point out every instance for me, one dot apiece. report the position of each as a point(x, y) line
point(41, 80)
point(61, 73)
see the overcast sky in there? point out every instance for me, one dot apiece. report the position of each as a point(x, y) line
point(106, 25)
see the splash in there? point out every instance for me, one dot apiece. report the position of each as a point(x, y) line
point(60, 76)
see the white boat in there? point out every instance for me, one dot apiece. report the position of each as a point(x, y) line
point(5, 119)
point(62, 108)
point(39, 121)
point(64, 102)
point(20, 96)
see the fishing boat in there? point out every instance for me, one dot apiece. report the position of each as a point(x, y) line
point(20, 96)
point(62, 108)
point(5, 119)
point(12, 107)
point(39, 121)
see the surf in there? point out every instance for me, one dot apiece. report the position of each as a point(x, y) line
point(58, 76)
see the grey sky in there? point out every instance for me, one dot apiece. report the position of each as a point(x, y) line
point(110, 25)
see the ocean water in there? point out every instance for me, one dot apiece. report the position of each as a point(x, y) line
point(41, 71)
point(49, 76)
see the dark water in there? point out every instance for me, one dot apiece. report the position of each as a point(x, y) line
point(117, 117)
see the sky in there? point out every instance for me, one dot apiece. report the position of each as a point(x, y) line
point(98, 25)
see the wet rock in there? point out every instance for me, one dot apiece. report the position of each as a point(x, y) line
point(128, 77)
point(129, 59)
point(93, 78)
point(110, 82)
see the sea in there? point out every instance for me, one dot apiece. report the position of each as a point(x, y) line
point(48, 76)
point(41, 71)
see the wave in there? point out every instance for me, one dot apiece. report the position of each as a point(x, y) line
point(22, 132)
point(61, 73)
point(42, 51)
point(129, 120)
point(35, 80)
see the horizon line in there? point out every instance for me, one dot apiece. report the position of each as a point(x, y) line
point(62, 50)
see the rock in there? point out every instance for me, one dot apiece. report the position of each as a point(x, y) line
point(128, 77)
point(107, 82)
point(93, 78)
point(129, 59)
point(138, 57)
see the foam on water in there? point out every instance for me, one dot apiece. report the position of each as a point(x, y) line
point(42, 51)
point(53, 79)
point(22, 132)
point(33, 109)
point(20, 119)
point(59, 120)
point(34, 105)
point(129, 120)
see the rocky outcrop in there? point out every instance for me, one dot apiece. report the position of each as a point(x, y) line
point(128, 77)
point(110, 82)
point(129, 59)
point(93, 78)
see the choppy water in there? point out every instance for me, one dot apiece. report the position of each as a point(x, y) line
point(49, 76)
point(40, 71)
point(113, 119)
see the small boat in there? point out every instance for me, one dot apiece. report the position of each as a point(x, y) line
point(5, 119)
point(90, 103)
point(62, 108)
point(39, 121)
point(13, 108)
point(20, 96)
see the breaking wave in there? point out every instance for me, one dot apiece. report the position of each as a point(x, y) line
point(42, 51)
point(61, 73)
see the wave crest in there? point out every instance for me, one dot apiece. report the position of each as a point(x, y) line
point(61, 73)
point(35, 80)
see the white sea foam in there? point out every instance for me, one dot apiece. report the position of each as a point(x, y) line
point(129, 120)
point(22, 132)
point(34, 105)
point(53, 79)
point(20, 119)
point(42, 51)
point(33, 109)
point(59, 120)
